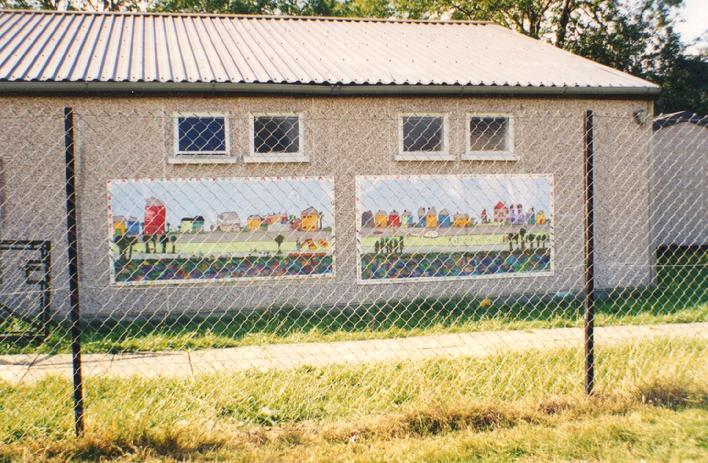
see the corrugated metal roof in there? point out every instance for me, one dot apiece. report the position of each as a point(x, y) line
point(199, 48)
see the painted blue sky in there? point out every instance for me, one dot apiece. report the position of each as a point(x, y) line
point(454, 193)
point(187, 198)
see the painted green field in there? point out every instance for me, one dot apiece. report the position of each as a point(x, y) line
point(443, 241)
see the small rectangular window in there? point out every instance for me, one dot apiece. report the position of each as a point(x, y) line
point(276, 138)
point(201, 135)
point(423, 137)
point(276, 134)
point(490, 137)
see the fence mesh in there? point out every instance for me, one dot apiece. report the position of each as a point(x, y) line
point(336, 261)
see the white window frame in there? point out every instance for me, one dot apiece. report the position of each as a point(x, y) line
point(201, 157)
point(298, 156)
point(443, 155)
point(505, 155)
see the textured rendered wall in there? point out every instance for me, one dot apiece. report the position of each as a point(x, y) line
point(678, 182)
point(132, 137)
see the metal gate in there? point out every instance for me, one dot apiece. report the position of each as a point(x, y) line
point(25, 299)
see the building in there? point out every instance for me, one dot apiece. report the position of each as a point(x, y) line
point(407, 220)
point(310, 220)
point(254, 222)
point(186, 225)
point(120, 225)
point(444, 219)
point(501, 213)
point(367, 219)
point(431, 218)
point(394, 219)
point(155, 217)
point(198, 224)
point(350, 99)
point(679, 169)
point(228, 222)
point(381, 219)
point(461, 220)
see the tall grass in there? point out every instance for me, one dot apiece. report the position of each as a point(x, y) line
point(373, 401)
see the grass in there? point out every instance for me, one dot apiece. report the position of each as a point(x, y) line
point(680, 296)
point(651, 404)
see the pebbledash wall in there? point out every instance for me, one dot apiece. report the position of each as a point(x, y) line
point(131, 137)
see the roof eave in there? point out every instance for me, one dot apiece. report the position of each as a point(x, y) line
point(21, 87)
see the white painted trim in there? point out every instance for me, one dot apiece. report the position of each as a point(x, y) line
point(442, 155)
point(201, 159)
point(176, 153)
point(488, 155)
point(276, 156)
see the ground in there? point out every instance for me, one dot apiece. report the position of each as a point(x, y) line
point(651, 404)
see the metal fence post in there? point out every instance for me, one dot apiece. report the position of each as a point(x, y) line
point(73, 254)
point(589, 288)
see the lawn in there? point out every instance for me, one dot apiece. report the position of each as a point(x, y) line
point(680, 296)
point(651, 404)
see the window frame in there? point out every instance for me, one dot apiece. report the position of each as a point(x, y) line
point(201, 157)
point(507, 154)
point(276, 157)
point(442, 155)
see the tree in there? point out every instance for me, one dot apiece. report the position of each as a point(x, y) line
point(510, 238)
point(279, 241)
point(636, 37)
point(530, 238)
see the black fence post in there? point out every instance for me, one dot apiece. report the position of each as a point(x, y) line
point(45, 285)
point(589, 288)
point(73, 254)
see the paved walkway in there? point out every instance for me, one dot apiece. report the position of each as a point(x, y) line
point(32, 367)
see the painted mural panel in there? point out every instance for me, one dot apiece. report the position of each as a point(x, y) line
point(450, 227)
point(223, 229)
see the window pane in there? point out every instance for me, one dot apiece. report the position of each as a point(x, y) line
point(202, 134)
point(488, 133)
point(422, 133)
point(276, 134)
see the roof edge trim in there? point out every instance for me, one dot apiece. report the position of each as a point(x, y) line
point(314, 89)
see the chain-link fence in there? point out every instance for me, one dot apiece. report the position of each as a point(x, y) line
point(341, 258)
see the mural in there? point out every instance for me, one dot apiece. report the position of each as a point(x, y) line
point(166, 231)
point(433, 227)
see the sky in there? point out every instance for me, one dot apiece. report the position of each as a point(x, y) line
point(693, 21)
point(454, 193)
point(207, 197)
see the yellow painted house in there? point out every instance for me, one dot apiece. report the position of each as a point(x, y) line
point(431, 219)
point(254, 222)
point(310, 219)
point(461, 221)
point(186, 225)
point(120, 227)
point(381, 219)
point(540, 218)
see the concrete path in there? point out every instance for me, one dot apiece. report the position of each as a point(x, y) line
point(29, 368)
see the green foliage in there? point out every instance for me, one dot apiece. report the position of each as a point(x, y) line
point(354, 8)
